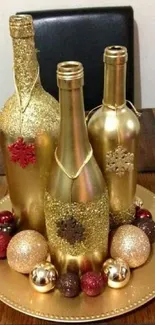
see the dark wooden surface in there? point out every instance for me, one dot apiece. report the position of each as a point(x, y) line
point(146, 178)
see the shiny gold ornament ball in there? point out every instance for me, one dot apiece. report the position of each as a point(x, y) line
point(25, 250)
point(131, 244)
point(117, 271)
point(43, 277)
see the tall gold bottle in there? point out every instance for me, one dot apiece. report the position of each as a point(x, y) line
point(113, 132)
point(76, 203)
point(29, 122)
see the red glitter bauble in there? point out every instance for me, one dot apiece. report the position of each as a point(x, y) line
point(4, 241)
point(22, 152)
point(6, 217)
point(143, 213)
point(92, 283)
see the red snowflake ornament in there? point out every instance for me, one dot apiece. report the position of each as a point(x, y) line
point(22, 152)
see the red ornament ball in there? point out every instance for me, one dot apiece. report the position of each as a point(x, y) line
point(4, 241)
point(92, 283)
point(143, 213)
point(6, 217)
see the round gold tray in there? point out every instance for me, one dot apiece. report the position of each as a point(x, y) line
point(16, 291)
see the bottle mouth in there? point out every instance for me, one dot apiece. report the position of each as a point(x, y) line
point(21, 26)
point(70, 70)
point(21, 20)
point(115, 54)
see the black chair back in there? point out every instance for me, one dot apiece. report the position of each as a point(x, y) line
point(82, 35)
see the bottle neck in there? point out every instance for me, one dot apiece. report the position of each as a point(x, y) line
point(25, 65)
point(114, 84)
point(73, 146)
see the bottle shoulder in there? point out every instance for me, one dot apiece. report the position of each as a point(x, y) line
point(106, 121)
point(40, 99)
point(88, 186)
point(41, 114)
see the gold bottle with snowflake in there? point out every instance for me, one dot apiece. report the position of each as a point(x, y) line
point(29, 124)
point(113, 132)
point(76, 203)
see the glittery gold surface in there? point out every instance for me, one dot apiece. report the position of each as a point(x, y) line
point(38, 124)
point(16, 291)
point(93, 216)
point(122, 217)
point(119, 161)
point(43, 110)
point(25, 250)
point(42, 115)
point(21, 26)
point(131, 244)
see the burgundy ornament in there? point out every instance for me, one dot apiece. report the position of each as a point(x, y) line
point(9, 228)
point(4, 241)
point(69, 284)
point(143, 213)
point(6, 217)
point(148, 226)
point(92, 283)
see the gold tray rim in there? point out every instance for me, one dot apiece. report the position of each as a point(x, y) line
point(82, 319)
point(108, 315)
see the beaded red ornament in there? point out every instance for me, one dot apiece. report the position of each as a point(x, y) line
point(92, 283)
point(6, 217)
point(22, 152)
point(143, 214)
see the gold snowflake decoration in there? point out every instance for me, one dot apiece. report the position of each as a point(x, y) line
point(119, 161)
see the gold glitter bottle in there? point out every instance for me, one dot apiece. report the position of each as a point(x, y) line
point(29, 125)
point(113, 132)
point(76, 203)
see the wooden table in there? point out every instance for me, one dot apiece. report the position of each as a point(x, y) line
point(146, 178)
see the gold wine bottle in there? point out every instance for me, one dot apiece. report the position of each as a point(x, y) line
point(76, 203)
point(29, 125)
point(113, 132)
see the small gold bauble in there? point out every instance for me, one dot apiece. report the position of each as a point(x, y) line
point(117, 271)
point(43, 277)
point(25, 250)
point(131, 244)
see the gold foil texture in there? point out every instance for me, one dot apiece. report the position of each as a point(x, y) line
point(93, 216)
point(33, 114)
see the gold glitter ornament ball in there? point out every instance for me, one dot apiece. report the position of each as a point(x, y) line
point(131, 244)
point(117, 271)
point(25, 250)
point(43, 277)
